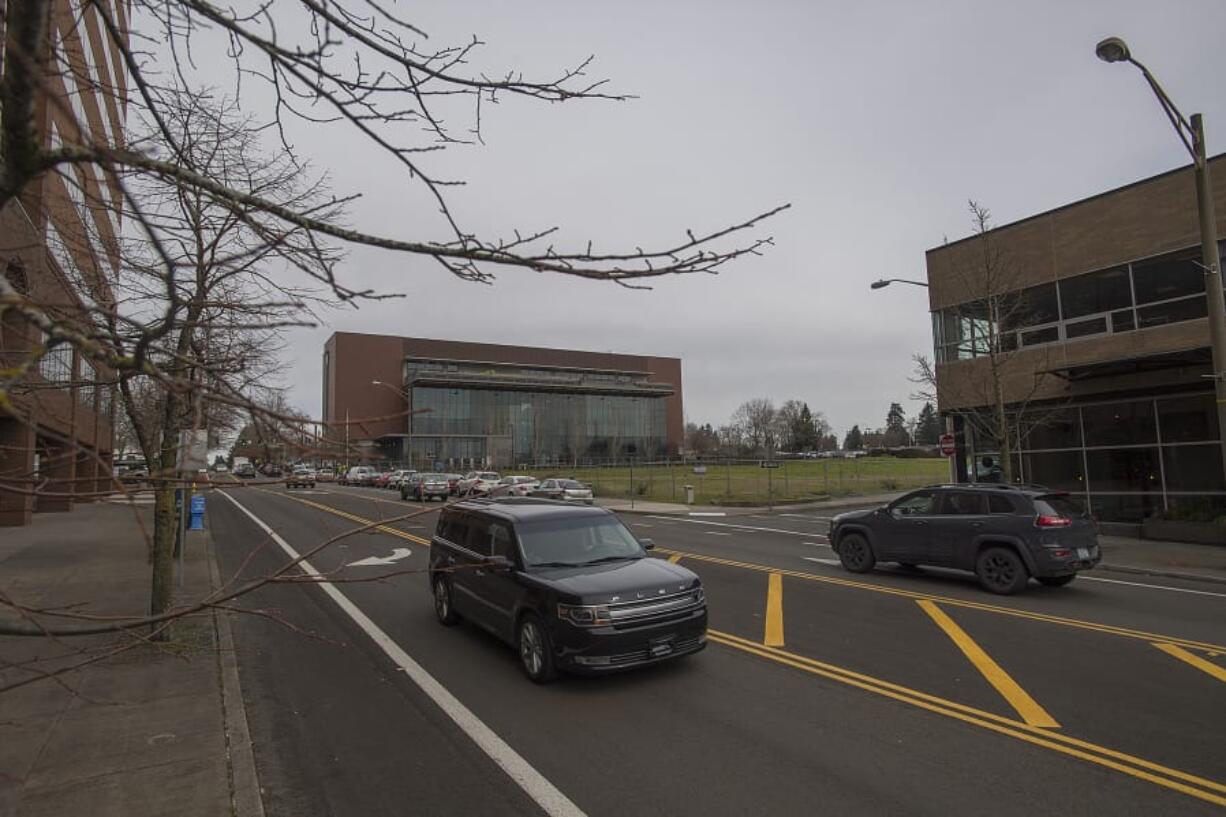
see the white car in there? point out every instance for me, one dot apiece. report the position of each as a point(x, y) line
point(359, 474)
point(514, 486)
point(477, 482)
point(397, 477)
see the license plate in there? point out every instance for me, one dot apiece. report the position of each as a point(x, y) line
point(1083, 553)
point(660, 649)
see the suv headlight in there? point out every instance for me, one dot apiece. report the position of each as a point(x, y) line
point(595, 615)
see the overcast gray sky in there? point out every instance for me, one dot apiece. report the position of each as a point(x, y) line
point(876, 120)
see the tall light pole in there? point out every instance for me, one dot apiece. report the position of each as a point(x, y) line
point(408, 404)
point(1192, 134)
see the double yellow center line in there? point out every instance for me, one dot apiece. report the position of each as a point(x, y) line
point(1034, 729)
point(1201, 788)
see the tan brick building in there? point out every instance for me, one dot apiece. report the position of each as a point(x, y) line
point(59, 245)
point(481, 404)
point(1103, 325)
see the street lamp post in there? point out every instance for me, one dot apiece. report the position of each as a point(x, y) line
point(1192, 134)
point(885, 282)
point(408, 404)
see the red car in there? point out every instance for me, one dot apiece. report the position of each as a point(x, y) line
point(380, 480)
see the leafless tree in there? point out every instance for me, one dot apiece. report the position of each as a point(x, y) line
point(986, 327)
point(222, 250)
point(756, 421)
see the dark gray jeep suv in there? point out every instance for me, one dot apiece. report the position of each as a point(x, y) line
point(568, 586)
point(1004, 534)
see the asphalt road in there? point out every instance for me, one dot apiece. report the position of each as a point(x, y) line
point(821, 692)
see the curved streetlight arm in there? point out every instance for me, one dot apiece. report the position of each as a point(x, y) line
point(1186, 133)
point(885, 282)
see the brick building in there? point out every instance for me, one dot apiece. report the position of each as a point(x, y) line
point(1106, 338)
point(59, 245)
point(421, 401)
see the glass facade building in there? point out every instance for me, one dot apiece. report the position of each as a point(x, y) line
point(1126, 459)
point(466, 414)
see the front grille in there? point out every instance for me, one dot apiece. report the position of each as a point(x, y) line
point(655, 610)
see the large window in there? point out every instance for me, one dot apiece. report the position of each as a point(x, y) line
point(1127, 459)
point(56, 365)
point(1166, 289)
point(506, 427)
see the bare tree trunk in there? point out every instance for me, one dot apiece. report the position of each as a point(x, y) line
point(164, 517)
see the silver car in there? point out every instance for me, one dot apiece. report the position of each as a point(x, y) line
point(568, 490)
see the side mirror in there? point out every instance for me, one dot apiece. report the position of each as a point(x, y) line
point(500, 564)
point(647, 544)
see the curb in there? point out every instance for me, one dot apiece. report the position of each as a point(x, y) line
point(1170, 574)
point(245, 800)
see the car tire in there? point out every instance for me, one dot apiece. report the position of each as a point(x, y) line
point(856, 553)
point(1056, 581)
point(444, 610)
point(1001, 571)
point(535, 650)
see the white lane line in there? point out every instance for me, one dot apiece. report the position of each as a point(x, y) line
point(806, 534)
point(551, 800)
point(706, 513)
point(641, 525)
point(834, 562)
point(817, 544)
point(807, 516)
point(716, 533)
point(1152, 586)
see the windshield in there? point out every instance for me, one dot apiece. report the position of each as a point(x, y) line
point(577, 541)
point(569, 483)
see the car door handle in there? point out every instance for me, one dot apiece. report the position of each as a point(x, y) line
point(976, 524)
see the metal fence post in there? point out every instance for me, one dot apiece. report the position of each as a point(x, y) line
point(672, 475)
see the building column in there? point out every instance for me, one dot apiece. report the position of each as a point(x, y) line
point(104, 478)
point(86, 476)
point(57, 466)
point(16, 472)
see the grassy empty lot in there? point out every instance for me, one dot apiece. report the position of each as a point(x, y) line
point(749, 483)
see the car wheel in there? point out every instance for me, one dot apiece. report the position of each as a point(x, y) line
point(446, 614)
point(1001, 571)
point(535, 651)
point(856, 554)
point(1056, 581)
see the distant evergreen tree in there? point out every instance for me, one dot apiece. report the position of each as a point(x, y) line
point(854, 441)
point(928, 426)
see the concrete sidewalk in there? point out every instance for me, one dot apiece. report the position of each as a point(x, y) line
point(154, 730)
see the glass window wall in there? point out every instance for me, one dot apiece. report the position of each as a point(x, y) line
point(1139, 457)
point(510, 427)
point(1153, 292)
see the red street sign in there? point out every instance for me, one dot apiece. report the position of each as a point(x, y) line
point(947, 445)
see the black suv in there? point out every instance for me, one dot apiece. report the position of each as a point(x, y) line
point(568, 586)
point(1004, 534)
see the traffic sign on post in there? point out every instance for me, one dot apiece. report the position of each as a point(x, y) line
point(948, 448)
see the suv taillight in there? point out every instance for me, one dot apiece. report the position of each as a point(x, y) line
point(1044, 521)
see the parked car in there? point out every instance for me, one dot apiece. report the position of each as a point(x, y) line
point(514, 486)
point(380, 479)
point(245, 470)
point(453, 482)
point(564, 489)
point(356, 474)
point(475, 483)
point(397, 477)
point(325, 475)
point(300, 478)
point(570, 588)
point(423, 487)
point(1004, 534)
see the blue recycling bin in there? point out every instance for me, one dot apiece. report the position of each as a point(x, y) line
point(197, 512)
